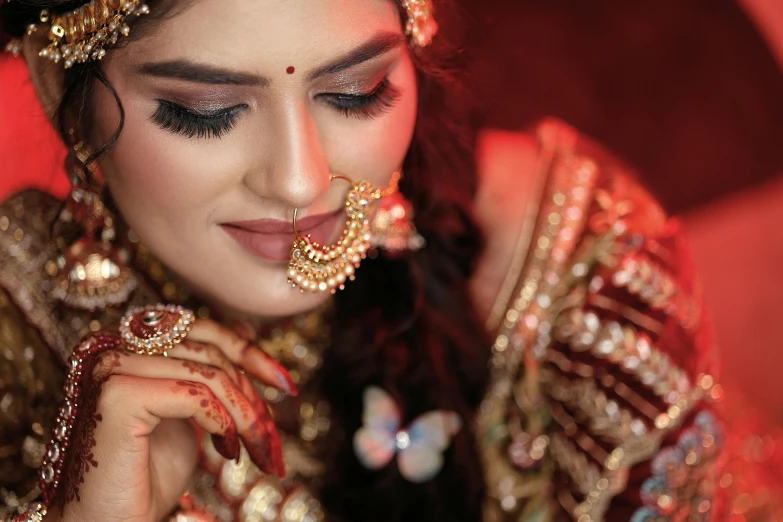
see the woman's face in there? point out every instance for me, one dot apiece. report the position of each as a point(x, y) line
point(236, 113)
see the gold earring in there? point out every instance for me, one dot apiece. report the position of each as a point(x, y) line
point(14, 47)
point(324, 268)
point(392, 226)
point(92, 273)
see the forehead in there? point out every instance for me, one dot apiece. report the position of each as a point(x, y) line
point(268, 32)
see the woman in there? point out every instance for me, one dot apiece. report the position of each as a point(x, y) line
point(555, 369)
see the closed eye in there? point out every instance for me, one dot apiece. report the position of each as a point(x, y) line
point(188, 122)
point(372, 104)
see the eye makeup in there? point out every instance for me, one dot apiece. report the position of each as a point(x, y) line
point(191, 123)
point(217, 122)
point(365, 106)
point(364, 92)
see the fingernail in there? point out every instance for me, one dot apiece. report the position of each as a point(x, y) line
point(227, 445)
point(263, 459)
point(280, 465)
point(276, 450)
point(262, 361)
point(286, 382)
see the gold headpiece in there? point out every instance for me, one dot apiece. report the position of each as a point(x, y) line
point(85, 33)
point(421, 25)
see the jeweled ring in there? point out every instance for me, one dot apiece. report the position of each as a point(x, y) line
point(155, 329)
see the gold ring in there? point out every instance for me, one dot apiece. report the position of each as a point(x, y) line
point(155, 329)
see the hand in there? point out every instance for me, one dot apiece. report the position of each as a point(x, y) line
point(133, 450)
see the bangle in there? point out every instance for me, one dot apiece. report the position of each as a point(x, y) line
point(51, 470)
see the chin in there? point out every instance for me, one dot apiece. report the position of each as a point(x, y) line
point(272, 297)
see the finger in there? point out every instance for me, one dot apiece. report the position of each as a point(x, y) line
point(206, 354)
point(210, 355)
point(171, 399)
point(269, 427)
point(244, 330)
point(244, 354)
point(251, 416)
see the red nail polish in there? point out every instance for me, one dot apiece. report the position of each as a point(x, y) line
point(227, 445)
point(286, 382)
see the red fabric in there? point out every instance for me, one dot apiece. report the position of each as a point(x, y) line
point(31, 154)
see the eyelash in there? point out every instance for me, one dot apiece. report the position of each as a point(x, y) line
point(182, 120)
point(366, 106)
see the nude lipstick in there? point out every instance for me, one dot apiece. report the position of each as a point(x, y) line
point(272, 239)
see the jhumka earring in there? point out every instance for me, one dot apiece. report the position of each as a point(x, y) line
point(92, 273)
point(392, 227)
point(326, 268)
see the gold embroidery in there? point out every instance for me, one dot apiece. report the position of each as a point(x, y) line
point(630, 350)
point(524, 334)
point(642, 277)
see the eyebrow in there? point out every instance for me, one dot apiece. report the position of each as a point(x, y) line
point(198, 73)
point(379, 44)
point(188, 71)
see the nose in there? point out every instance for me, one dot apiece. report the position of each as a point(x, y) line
point(297, 172)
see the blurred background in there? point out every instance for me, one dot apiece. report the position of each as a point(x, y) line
point(688, 92)
point(691, 94)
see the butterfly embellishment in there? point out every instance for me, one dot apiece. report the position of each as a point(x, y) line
point(419, 447)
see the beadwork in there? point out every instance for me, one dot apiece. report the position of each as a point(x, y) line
point(314, 267)
point(84, 34)
point(421, 25)
point(153, 330)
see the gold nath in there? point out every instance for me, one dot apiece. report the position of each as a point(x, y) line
point(322, 268)
point(85, 33)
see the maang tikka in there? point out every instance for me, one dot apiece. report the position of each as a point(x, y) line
point(369, 211)
point(92, 273)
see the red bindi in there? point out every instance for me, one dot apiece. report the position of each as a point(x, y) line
point(290, 70)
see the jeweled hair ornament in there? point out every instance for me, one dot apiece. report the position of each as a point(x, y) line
point(86, 33)
point(421, 26)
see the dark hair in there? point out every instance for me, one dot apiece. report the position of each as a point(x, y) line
point(407, 323)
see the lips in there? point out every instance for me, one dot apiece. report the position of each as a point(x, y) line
point(272, 239)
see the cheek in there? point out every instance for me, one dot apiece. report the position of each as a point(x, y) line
point(372, 150)
point(156, 176)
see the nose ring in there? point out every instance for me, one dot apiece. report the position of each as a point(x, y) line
point(321, 268)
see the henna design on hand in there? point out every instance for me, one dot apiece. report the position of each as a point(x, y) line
point(226, 444)
point(200, 369)
point(259, 448)
point(211, 406)
point(82, 456)
point(237, 399)
point(263, 441)
point(193, 346)
point(70, 454)
point(245, 330)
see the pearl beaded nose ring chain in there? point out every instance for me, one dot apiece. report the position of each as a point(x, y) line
point(321, 268)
